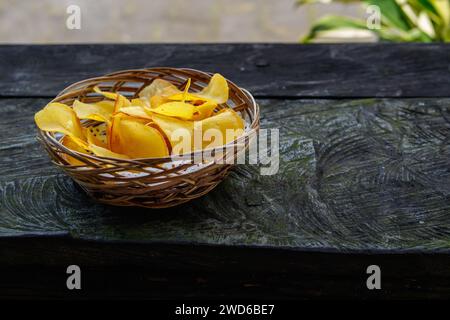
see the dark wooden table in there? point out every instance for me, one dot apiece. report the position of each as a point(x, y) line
point(364, 179)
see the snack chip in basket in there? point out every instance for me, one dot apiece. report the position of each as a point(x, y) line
point(161, 122)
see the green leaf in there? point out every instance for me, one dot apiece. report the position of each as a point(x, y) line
point(391, 13)
point(439, 13)
point(424, 24)
point(397, 35)
point(412, 20)
point(425, 4)
point(329, 23)
point(443, 9)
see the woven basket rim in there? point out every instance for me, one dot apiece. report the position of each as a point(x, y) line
point(252, 128)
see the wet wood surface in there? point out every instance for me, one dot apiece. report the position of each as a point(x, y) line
point(361, 181)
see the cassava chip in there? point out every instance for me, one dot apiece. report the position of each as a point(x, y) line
point(103, 152)
point(97, 134)
point(159, 87)
point(204, 110)
point(113, 133)
point(87, 148)
point(178, 132)
point(100, 111)
point(71, 144)
point(114, 139)
point(177, 109)
point(156, 101)
point(216, 92)
point(140, 141)
point(58, 117)
point(217, 89)
point(140, 102)
point(138, 112)
point(120, 100)
point(220, 129)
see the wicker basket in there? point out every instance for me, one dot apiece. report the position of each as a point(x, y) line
point(150, 182)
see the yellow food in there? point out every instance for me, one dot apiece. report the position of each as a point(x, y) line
point(180, 133)
point(162, 121)
point(223, 128)
point(57, 117)
point(72, 145)
point(101, 111)
point(176, 109)
point(141, 141)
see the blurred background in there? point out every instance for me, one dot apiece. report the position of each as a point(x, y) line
point(44, 21)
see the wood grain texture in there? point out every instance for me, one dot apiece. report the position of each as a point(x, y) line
point(267, 70)
point(34, 267)
point(354, 175)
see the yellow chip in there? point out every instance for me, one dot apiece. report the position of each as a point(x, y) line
point(204, 110)
point(105, 104)
point(216, 90)
point(103, 152)
point(156, 101)
point(186, 97)
point(100, 111)
point(73, 145)
point(177, 109)
point(225, 126)
point(82, 147)
point(97, 135)
point(140, 141)
point(114, 137)
point(162, 91)
point(180, 133)
point(113, 133)
point(58, 117)
point(140, 102)
point(159, 87)
point(138, 112)
point(120, 100)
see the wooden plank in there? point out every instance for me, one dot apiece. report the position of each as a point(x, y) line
point(354, 175)
point(19, 139)
point(268, 70)
point(36, 268)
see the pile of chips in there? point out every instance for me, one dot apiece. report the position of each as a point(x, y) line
point(163, 121)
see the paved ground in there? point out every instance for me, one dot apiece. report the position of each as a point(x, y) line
point(44, 21)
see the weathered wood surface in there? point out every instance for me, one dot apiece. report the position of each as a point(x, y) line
point(360, 174)
point(268, 70)
point(35, 267)
point(366, 176)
